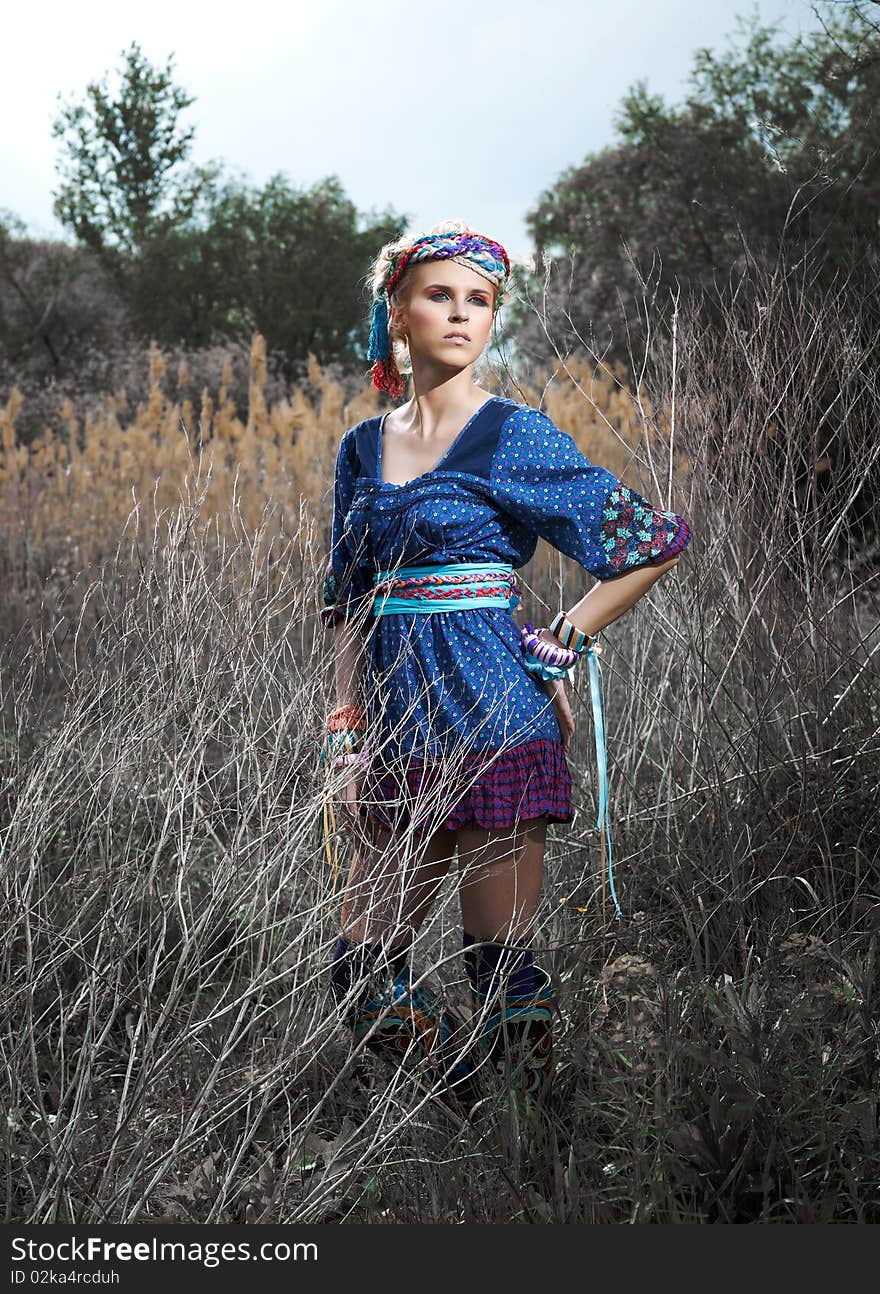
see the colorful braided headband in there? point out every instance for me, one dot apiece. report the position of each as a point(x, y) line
point(489, 257)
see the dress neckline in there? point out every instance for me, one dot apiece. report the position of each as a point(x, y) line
point(400, 485)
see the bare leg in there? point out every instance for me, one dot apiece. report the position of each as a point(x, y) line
point(392, 883)
point(500, 874)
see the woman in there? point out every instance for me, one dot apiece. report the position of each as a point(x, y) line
point(457, 743)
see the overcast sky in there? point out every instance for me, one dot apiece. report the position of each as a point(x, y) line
point(431, 110)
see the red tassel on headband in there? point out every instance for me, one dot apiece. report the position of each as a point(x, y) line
point(387, 377)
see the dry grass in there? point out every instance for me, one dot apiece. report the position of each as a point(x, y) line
point(168, 1044)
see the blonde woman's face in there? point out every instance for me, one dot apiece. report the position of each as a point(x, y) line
point(445, 297)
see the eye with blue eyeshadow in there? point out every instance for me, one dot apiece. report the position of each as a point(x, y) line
point(440, 293)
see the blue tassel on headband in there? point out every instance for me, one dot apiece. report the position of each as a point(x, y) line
point(379, 343)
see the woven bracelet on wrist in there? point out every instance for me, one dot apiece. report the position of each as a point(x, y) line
point(549, 653)
point(574, 639)
point(346, 716)
point(346, 741)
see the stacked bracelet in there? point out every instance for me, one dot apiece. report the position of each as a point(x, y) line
point(547, 653)
point(548, 660)
point(575, 639)
point(344, 740)
point(544, 659)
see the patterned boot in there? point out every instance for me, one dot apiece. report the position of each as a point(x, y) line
point(517, 1038)
point(440, 1031)
point(407, 1021)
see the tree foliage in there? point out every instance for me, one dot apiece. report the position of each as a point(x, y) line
point(775, 147)
point(198, 257)
point(122, 160)
point(283, 261)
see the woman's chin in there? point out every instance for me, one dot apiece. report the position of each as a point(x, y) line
point(448, 363)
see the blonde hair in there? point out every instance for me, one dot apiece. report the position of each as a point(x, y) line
point(384, 263)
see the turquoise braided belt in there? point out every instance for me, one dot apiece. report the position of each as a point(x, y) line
point(451, 586)
point(465, 586)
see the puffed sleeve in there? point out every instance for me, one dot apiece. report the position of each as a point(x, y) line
point(540, 477)
point(348, 584)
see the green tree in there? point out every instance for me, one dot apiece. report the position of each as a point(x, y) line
point(198, 257)
point(280, 260)
point(775, 148)
point(122, 161)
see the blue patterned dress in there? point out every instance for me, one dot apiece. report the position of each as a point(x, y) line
point(450, 705)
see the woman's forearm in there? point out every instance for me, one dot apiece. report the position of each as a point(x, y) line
point(609, 599)
point(350, 661)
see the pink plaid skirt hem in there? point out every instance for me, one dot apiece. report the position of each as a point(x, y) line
point(528, 781)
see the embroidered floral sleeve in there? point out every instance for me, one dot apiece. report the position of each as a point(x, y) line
point(540, 477)
point(348, 585)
